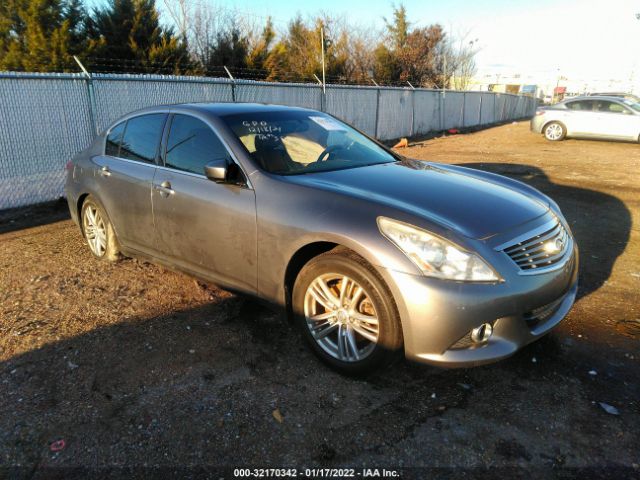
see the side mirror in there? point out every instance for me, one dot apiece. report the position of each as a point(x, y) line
point(216, 170)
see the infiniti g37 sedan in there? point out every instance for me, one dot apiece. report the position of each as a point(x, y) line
point(607, 118)
point(371, 254)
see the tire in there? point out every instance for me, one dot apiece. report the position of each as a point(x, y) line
point(352, 343)
point(98, 231)
point(554, 131)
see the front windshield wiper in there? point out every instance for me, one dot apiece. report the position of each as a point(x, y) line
point(347, 167)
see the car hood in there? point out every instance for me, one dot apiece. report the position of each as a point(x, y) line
point(474, 207)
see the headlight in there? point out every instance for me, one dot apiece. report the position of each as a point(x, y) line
point(435, 256)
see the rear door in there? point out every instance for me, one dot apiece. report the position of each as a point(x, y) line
point(126, 176)
point(580, 119)
point(203, 227)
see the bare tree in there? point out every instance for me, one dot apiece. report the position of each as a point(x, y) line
point(180, 12)
point(201, 23)
point(459, 57)
point(361, 59)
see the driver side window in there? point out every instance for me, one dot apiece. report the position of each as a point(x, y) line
point(192, 144)
point(612, 107)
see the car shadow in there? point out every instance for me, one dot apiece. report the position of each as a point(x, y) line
point(601, 223)
point(230, 383)
point(202, 386)
point(19, 218)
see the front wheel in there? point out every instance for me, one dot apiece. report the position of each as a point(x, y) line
point(554, 132)
point(346, 313)
point(98, 231)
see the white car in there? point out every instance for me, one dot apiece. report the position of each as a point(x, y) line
point(589, 117)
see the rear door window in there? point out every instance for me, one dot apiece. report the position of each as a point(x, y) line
point(192, 144)
point(581, 105)
point(142, 137)
point(612, 107)
point(114, 139)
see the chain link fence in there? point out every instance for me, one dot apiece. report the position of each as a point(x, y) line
point(46, 118)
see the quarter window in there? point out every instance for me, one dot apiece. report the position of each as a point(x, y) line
point(192, 144)
point(113, 140)
point(141, 137)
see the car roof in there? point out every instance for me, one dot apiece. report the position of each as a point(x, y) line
point(221, 109)
point(593, 97)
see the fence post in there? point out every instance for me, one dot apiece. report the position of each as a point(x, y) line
point(480, 109)
point(323, 93)
point(377, 109)
point(92, 97)
point(464, 107)
point(442, 109)
point(233, 84)
point(413, 109)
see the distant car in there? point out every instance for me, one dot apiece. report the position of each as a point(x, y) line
point(589, 117)
point(624, 96)
point(373, 254)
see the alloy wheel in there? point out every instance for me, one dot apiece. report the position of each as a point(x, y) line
point(95, 230)
point(341, 317)
point(554, 131)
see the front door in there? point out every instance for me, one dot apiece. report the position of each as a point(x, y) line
point(204, 227)
point(617, 121)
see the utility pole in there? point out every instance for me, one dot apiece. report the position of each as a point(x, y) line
point(322, 50)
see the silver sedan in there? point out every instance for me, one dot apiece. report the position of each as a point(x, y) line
point(610, 118)
point(370, 253)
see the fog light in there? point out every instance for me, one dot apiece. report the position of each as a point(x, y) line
point(482, 333)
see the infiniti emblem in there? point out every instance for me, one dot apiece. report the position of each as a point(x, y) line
point(555, 246)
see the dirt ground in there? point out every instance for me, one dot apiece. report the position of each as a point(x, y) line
point(134, 366)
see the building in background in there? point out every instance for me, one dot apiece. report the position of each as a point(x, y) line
point(546, 86)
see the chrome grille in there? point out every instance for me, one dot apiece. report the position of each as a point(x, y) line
point(541, 250)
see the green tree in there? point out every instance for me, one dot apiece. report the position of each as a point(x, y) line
point(259, 51)
point(385, 66)
point(37, 35)
point(127, 35)
point(297, 56)
point(398, 29)
point(230, 50)
point(410, 54)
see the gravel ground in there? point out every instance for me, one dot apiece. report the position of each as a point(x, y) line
point(134, 366)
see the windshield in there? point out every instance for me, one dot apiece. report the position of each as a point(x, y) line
point(294, 142)
point(631, 104)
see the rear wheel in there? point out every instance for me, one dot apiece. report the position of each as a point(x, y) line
point(346, 313)
point(554, 132)
point(98, 231)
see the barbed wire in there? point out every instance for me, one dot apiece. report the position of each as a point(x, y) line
point(189, 67)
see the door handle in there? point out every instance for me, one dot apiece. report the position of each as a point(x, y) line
point(165, 188)
point(105, 172)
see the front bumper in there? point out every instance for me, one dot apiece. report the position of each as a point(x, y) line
point(437, 316)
